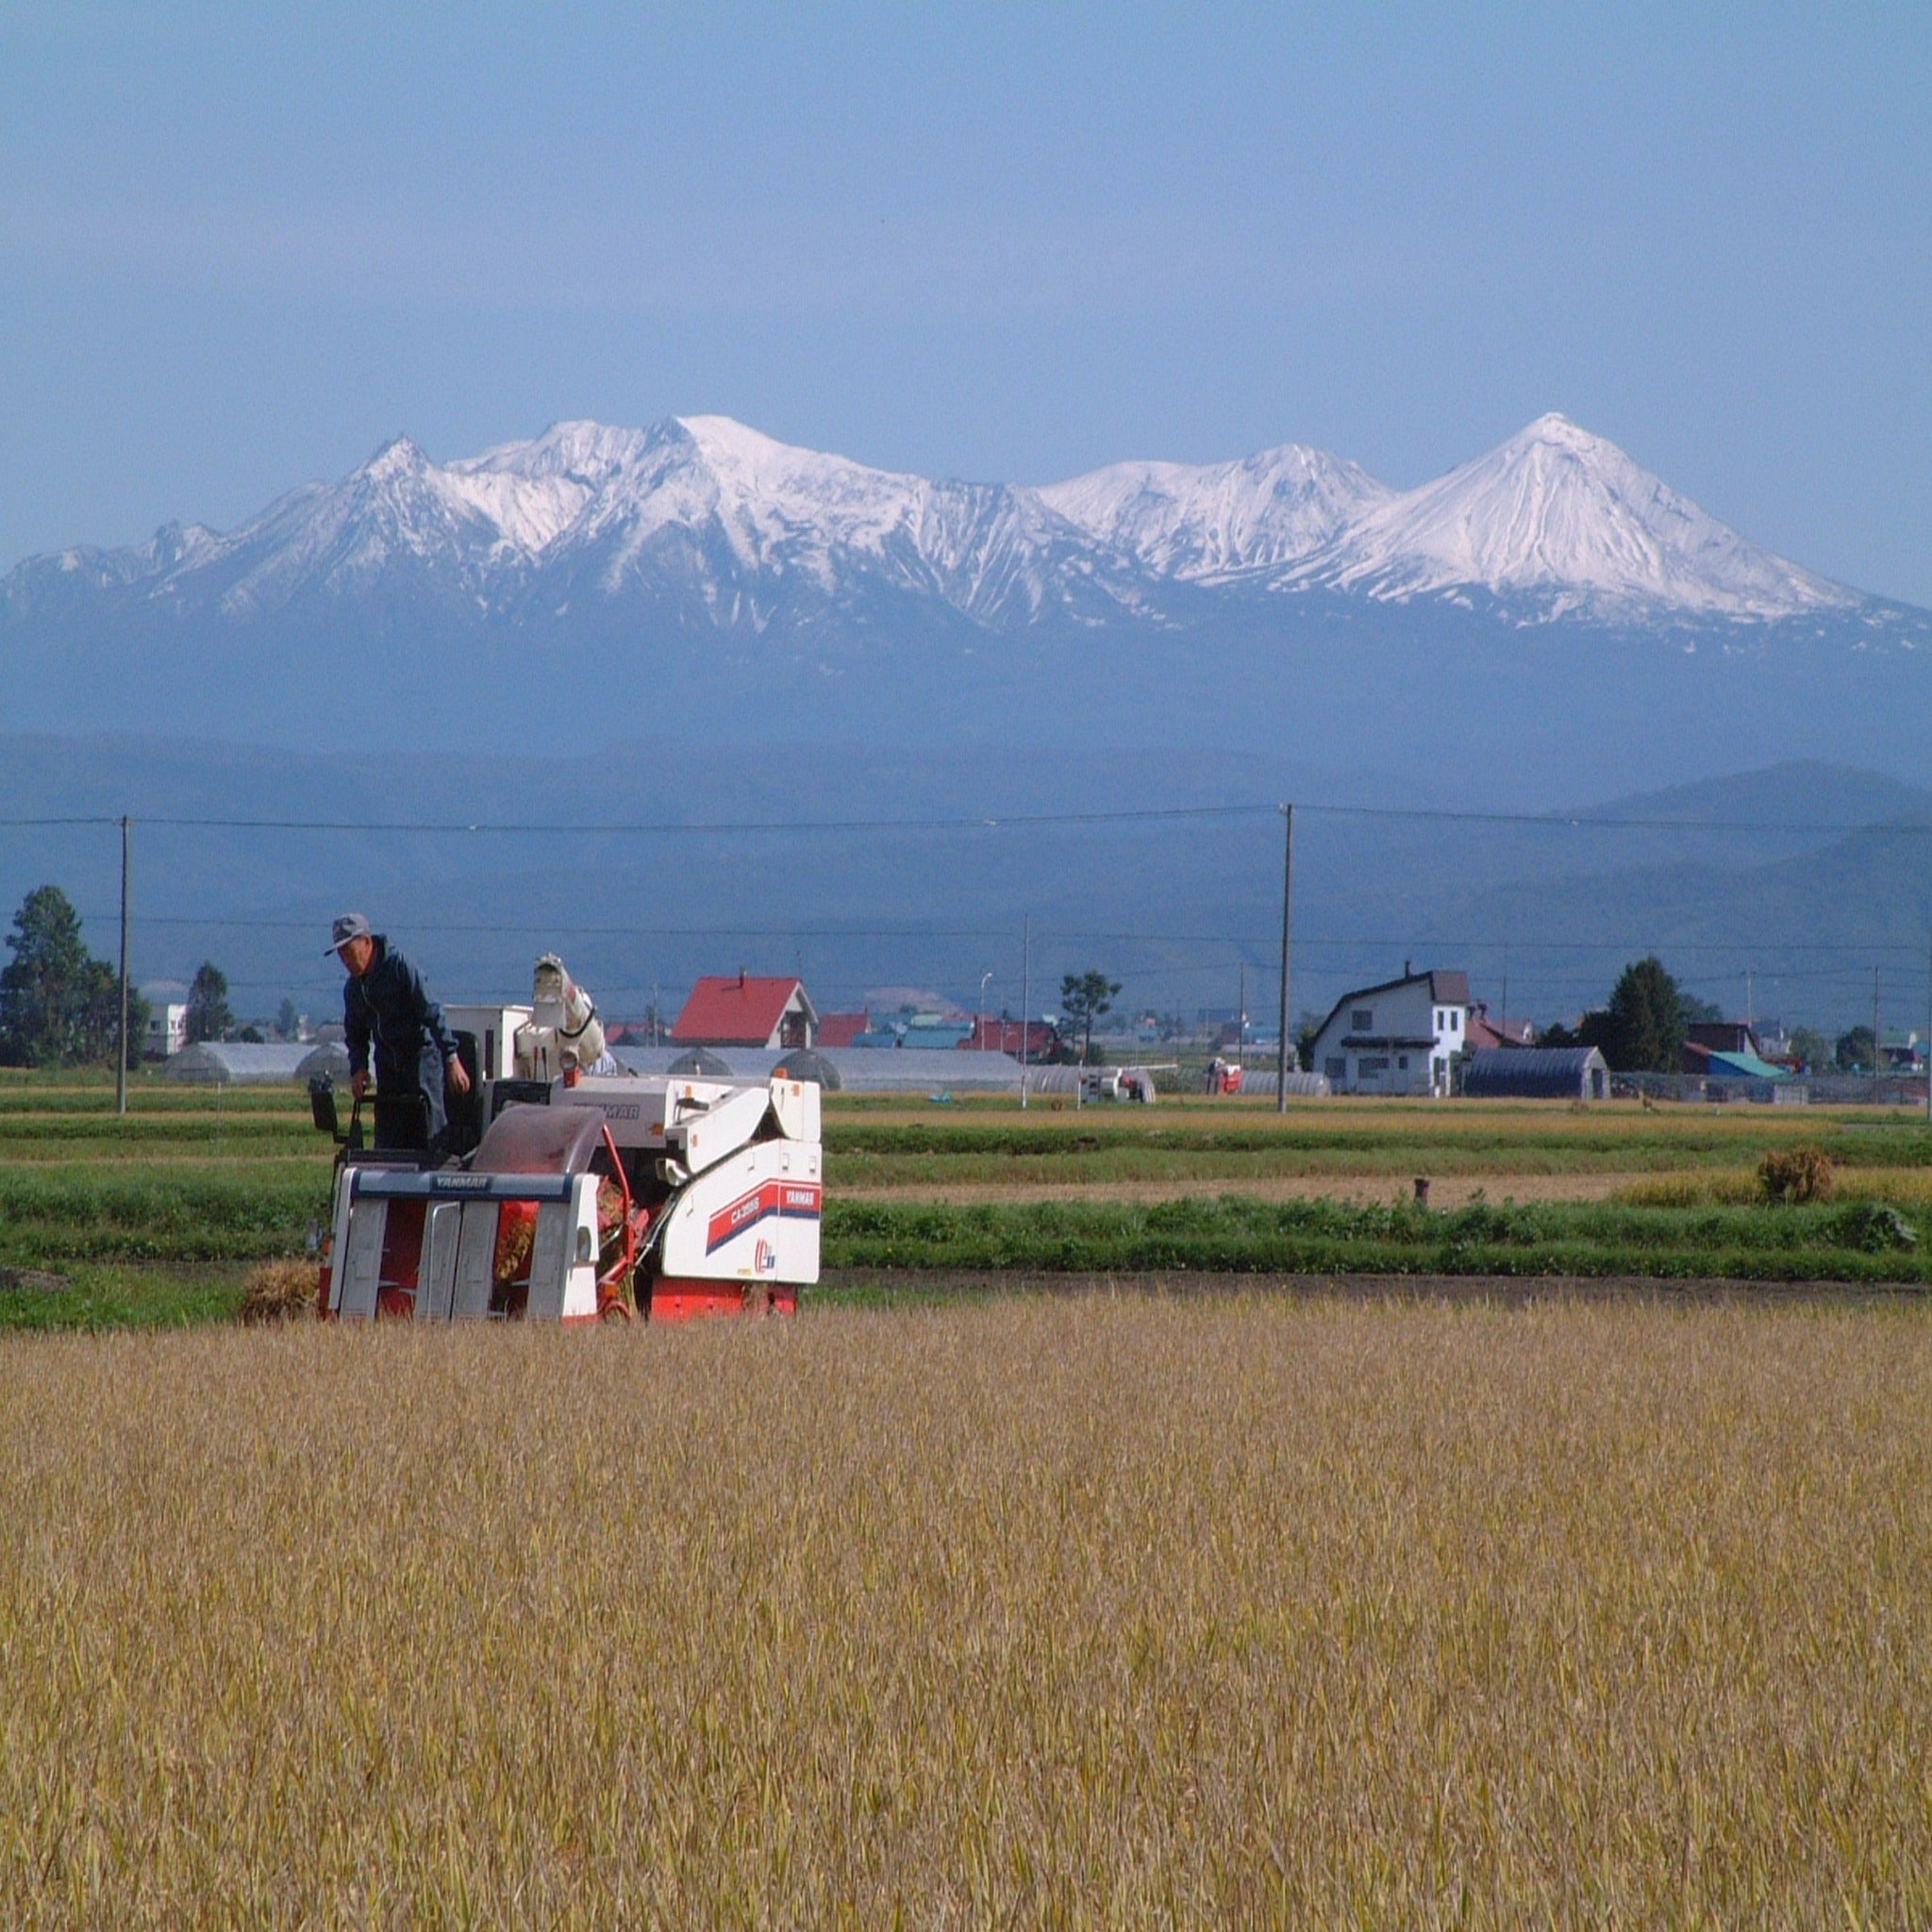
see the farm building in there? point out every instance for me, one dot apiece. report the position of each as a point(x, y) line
point(1483, 1030)
point(237, 1063)
point(1721, 1036)
point(1041, 1039)
point(1536, 1072)
point(1396, 1038)
point(1744, 1066)
point(744, 1010)
point(841, 1029)
point(935, 1032)
point(167, 1018)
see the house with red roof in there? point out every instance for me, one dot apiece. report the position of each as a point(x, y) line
point(746, 1010)
point(1483, 1032)
point(841, 1029)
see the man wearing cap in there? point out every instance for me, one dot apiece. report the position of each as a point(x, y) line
point(386, 1005)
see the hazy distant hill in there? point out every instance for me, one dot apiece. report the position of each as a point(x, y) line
point(1170, 907)
point(1549, 618)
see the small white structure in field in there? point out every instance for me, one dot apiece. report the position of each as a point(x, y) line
point(167, 1018)
point(1395, 1037)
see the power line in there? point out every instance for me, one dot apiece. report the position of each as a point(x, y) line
point(985, 821)
point(1768, 946)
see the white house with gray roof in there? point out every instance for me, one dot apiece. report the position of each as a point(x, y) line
point(1395, 1037)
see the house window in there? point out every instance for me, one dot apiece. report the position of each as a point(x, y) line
point(1456, 1020)
point(1335, 1067)
point(1361, 1020)
point(1401, 1063)
point(1371, 1064)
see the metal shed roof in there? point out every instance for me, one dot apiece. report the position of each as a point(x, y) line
point(1530, 1072)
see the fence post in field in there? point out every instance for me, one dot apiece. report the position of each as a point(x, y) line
point(1287, 907)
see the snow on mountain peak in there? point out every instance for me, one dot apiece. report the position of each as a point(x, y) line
point(731, 523)
point(398, 457)
point(1211, 520)
point(1568, 519)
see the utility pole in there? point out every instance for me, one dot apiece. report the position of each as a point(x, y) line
point(121, 1036)
point(1287, 907)
point(1240, 1015)
point(1026, 999)
point(1503, 1011)
point(1928, 1037)
point(1877, 1038)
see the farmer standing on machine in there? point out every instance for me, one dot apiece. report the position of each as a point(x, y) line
point(386, 1005)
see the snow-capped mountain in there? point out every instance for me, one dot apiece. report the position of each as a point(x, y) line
point(1566, 519)
point(723, 526)
point(1212, 522)
point(697, 569)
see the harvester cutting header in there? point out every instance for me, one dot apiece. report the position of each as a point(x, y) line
point(557, 1194)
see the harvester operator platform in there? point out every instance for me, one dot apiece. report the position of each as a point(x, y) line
point(387, 1008)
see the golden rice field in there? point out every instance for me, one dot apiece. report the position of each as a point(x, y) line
point(1051, 1613)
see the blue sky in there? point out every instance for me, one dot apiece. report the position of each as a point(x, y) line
point(241, 245)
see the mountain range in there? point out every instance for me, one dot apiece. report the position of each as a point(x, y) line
point(1551, 605)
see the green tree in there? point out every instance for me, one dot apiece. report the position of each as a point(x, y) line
point(1307, 1029)
point(43, 990)
point(59, 1007)
point(288, 1021)
point(1857, 1051)
point(1084, 997)
point(209, 1016)
point(1810, 1048)
point(1641, 1031)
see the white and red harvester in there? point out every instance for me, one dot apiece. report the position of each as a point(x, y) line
point(587, 1198)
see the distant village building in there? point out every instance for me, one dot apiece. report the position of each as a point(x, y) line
point(744, 1010)
point(1719, 1036)
point(1040, 1039)
point(1396, 1038)
point(1482, 1031)
point(936, 1031)
point(841, 1029)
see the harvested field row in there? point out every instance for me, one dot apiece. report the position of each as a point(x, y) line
point(1046, 1612)
point(1724, 1187)
point(1237, 1233)
point(1454, 1191)
point(52, 1216)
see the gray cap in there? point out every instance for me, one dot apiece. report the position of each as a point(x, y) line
point(348, 925)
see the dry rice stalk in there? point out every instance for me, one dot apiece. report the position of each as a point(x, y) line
point(280, 1292)
point(1796, 1174)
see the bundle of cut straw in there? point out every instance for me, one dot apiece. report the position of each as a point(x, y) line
point(280, 1292)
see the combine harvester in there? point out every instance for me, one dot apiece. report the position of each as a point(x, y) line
point(587, 1197)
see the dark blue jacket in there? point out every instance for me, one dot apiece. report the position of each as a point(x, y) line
point(390, 1008)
